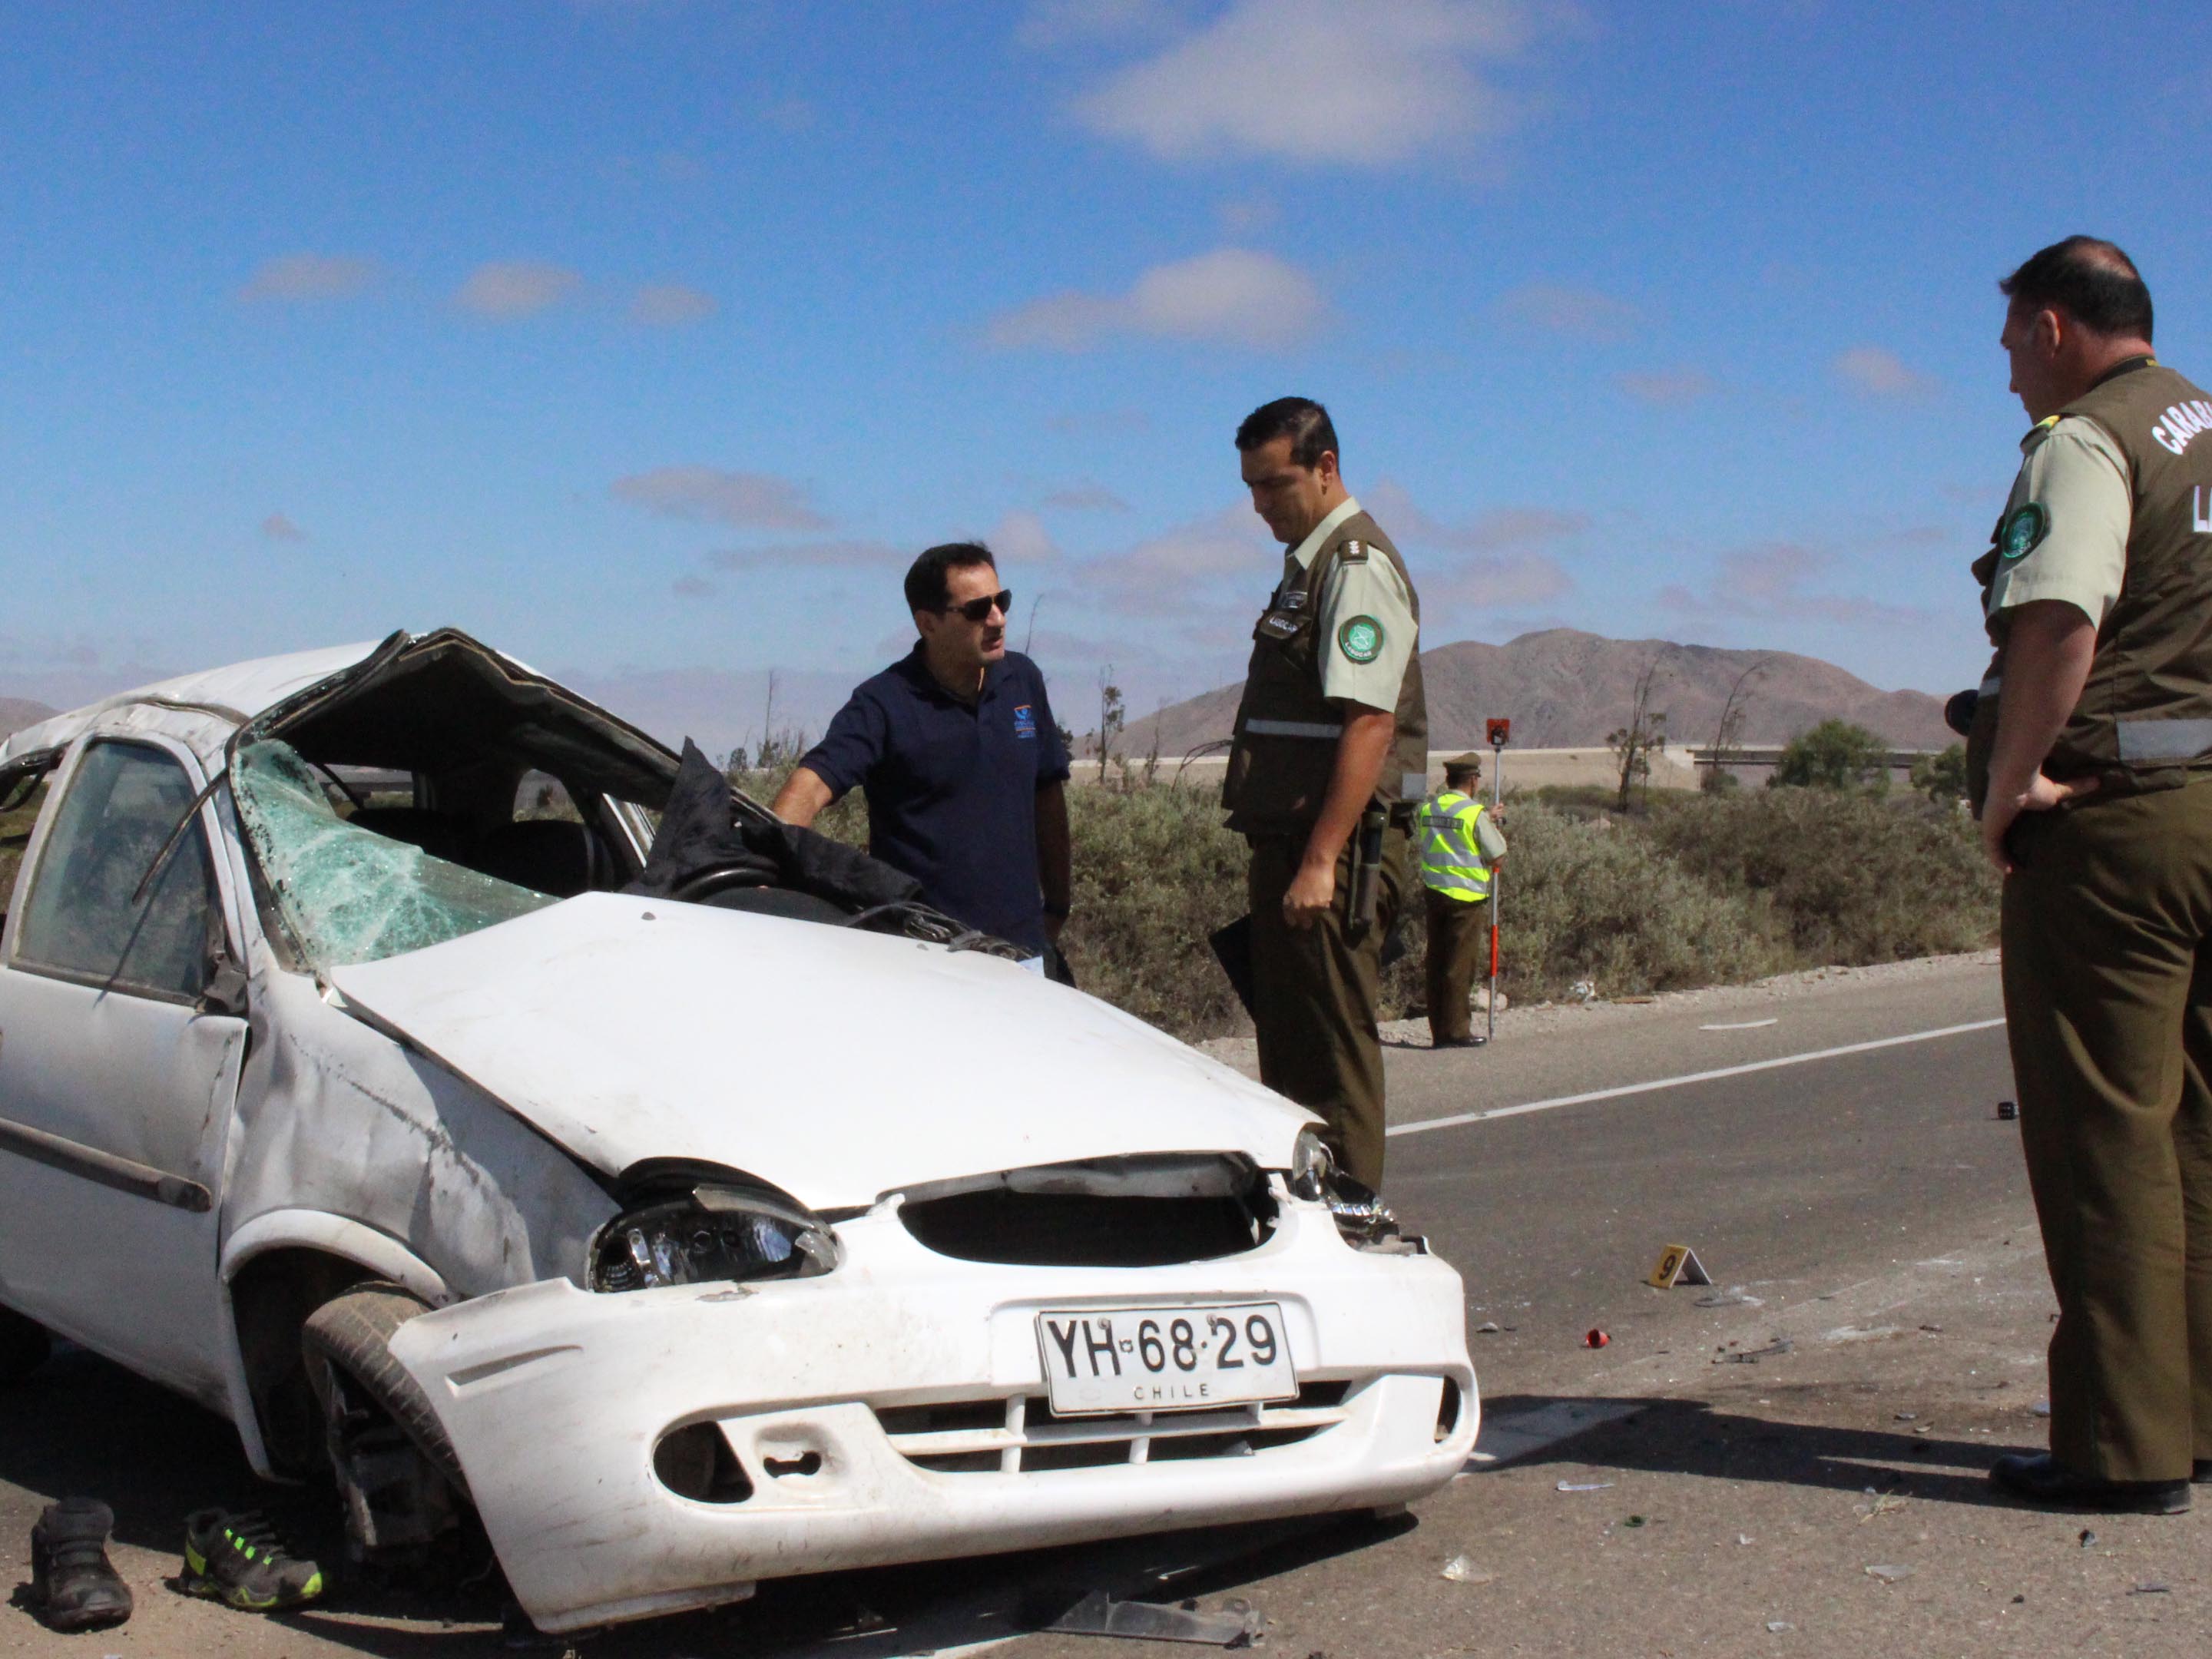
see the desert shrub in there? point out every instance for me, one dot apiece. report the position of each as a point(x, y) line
point(14, 832)
point(1852, 878)
point(1942, 776)
point(1155, 874)
point(1833, 754)
point(1583, 899)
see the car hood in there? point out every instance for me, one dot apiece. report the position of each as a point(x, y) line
point(839, 1065)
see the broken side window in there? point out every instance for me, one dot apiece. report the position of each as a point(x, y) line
point(347, 894)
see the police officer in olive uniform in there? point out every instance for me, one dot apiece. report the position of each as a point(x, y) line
point(2090, 766)
point(1456, 838)
point(1330, 754)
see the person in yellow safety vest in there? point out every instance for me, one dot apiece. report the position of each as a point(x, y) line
point(1460, 845)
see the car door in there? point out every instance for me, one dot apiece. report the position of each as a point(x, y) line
point(119, 1065)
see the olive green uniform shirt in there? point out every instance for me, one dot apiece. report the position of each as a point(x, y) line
point(2075, 474)
point(1365, 623)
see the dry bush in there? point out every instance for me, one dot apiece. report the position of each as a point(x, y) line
point(1854, 878)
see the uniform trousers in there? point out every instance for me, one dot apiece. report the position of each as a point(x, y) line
point(2108, 1000)
point(1315, 993)
point(1457, 929)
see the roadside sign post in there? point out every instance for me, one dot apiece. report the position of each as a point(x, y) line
point(1498, 732)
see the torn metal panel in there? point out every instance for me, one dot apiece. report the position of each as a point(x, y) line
point(336, 1118)
point(1100, 1615)
point(229, 695)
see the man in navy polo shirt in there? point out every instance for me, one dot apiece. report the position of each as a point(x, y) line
point(955, 748)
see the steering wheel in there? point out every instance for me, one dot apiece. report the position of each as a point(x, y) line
point(718, 878)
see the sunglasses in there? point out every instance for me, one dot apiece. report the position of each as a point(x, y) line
point(979, 611)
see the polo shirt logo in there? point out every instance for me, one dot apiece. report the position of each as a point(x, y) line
point(1024, 720)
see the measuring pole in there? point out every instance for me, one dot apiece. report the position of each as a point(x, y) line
point(1498, 732)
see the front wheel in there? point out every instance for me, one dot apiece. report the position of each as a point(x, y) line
point(397, 1471)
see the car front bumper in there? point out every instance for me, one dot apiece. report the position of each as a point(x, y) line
point(555, 1399)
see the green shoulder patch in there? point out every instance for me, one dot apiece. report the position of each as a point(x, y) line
point(2023, 531)
point(1360, 639)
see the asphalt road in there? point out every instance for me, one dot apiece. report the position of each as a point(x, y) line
point(1750, 1449)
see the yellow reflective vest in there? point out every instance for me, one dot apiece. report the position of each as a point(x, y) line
point(1451, 859)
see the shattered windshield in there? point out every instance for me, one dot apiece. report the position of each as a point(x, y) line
point(349, 895)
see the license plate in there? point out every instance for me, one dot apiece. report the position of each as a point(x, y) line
point(1098, 1360)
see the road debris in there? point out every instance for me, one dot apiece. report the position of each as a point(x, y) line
point(1596, 1338)
point(1488, 1327)
point(1890, 1575)
point(1776, 1626)
point(2150, 1587)
point(1886, 1504)
point(1100, 1615)
point(2088, 1539)
point(1461, 1571)
point(1752, 1356)
point(1585, 1486)
point(2040, 1408)
point(2007, 1111)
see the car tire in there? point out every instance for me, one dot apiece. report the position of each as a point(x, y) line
point(353, 1332)
point(24, 1346)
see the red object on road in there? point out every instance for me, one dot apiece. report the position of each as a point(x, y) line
point(1595, 1340)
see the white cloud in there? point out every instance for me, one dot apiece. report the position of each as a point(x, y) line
point(1773, 581)
point(279, 528)
point(816, 556)
point(1585, 313)
point(1084, 498)
point(692, 587)
point(1669, 388)
point(1168, 575)
point(1021, 539)
point(1881, 373)
point(1316, 80)
point(1493, 582)
point(303, 278)
point(749, 501)
point(670, 304)
point(1054, 23)
point(1498, 530)
point(1230, 296)
point(522, 288)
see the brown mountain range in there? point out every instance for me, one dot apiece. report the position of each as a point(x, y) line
point(1566, 689)
point(16, 713)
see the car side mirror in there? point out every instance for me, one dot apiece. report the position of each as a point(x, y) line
point(225, 991)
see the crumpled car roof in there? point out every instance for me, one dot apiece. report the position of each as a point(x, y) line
point(236, 694)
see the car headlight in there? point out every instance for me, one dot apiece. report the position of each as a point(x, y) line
point(1312, 1163)
point(711, 1233)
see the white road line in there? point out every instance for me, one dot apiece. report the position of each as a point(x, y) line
point(1459, 1118)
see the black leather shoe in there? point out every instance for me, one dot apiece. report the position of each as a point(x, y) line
point(2200, 1473)
point(73, 1585)
point(1457, 1042)
point(2040, 1480)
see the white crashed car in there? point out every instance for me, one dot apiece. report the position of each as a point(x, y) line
point(341, 1091)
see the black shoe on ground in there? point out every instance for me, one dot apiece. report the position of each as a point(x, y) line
point(74, 1586)
point(2040, 1480)
point(2200, 1473)
point(239, 1560)
point(1457, 1042)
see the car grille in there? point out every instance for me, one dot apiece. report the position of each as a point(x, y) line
point(1018, 1436)
point(1078, 1230)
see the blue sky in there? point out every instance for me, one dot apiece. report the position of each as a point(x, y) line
point(650, 338)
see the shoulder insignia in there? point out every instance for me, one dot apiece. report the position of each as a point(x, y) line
point(2023, 531)
point(1360, 639)
point(1353, 552)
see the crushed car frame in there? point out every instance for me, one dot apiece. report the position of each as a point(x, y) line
point(709, 1231)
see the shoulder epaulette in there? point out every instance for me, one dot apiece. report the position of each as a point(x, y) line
point(1353, 552)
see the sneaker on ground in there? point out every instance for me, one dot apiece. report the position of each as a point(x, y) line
point(239, 1560)
point(73, 1584)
